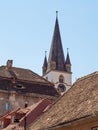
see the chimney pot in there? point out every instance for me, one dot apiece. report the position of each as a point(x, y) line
point(9, 63)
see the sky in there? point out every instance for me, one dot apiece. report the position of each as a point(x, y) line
point(26, 30)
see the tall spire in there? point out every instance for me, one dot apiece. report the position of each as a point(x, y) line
point(56, 56)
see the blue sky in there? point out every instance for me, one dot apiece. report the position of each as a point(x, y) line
point(26, 29)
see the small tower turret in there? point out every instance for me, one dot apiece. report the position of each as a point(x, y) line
point(44, 68)
point(68, 63)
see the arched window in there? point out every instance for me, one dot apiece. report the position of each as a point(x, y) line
point(61, 79)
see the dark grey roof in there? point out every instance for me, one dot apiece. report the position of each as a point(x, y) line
point(25, 81)
point(45, 62)
point(67, 59)
point(56, 50)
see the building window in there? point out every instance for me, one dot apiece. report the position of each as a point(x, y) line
point(7, 106)
point(61, 79)
point(68, 69)
point(94, 128)
point(18, 86)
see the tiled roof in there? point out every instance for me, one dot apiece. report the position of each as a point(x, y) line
point(22, 74)
point(25, 81)
point(79, 101)
point(28, 113)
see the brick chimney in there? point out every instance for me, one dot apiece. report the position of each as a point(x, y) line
point(9, 63)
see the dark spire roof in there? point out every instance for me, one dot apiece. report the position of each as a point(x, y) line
point(67, 58)
point(56, 50)
point(45, 61)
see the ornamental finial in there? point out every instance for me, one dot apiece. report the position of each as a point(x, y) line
point(56, 14)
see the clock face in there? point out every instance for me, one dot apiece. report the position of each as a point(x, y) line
point(61, 87)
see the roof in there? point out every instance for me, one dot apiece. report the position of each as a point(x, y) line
point(25, 81)
point(30, 113)
point(79, 101)
point(22, 74)
point(45, 62)
point(67, 58)
point(56, 51)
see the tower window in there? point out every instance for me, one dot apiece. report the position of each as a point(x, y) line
point(68, 69)
point(61, 79)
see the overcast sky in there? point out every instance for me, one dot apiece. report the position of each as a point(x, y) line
point(26, 29)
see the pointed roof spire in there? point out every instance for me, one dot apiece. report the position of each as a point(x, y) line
point(57, 14)
point(56, 51)
point(45, 60)
point(67, 58)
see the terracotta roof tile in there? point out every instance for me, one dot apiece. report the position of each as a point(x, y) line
point(31, 113)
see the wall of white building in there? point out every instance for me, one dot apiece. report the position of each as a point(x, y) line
point(53, 76)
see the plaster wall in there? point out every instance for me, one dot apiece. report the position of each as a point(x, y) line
point(53, 76)
point(15, 101)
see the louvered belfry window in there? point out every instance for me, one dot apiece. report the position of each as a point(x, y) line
point(61, 79)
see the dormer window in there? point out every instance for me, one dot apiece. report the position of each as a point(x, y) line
point(19, 86)
point(61, 79)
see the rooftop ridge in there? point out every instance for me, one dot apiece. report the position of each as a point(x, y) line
point(87, 76)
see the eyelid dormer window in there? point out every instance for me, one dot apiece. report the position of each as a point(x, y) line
point(19, 86)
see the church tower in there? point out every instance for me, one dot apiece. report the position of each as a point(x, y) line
point(58, 70)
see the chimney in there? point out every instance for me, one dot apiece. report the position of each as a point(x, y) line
point(9, 63)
